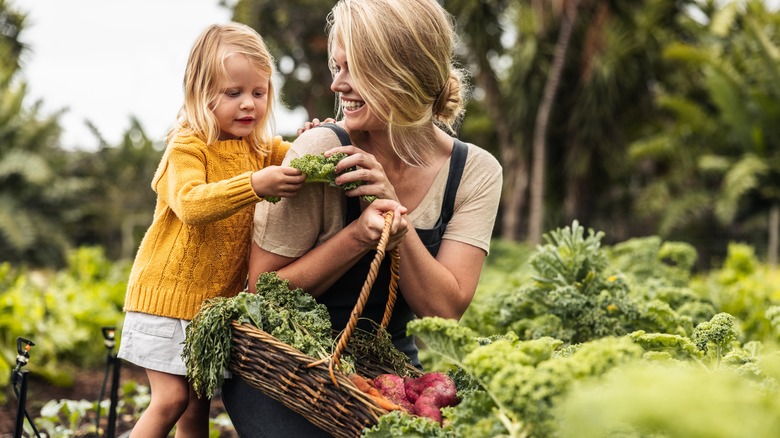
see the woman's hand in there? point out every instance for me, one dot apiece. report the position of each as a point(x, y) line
point(368, 227)
point(369, 171)
point(313, 124)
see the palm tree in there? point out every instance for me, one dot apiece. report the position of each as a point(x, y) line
point(120, 201)
point(723, 133)
point(33, 196)
point(536, 213)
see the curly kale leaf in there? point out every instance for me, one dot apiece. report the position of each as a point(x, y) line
point(717, 334)
point(525, 380)
point(319, 168)
point(675, 346)
point(444, 337)
point(401, 424)
point(293, 316)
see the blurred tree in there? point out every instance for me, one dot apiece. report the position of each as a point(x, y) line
point(605, 97)
point(724, 130)
point(120, 202)
point(561, 52)
point(606, 100)
point(34, 195)
point(502, 72)
point(295, 34)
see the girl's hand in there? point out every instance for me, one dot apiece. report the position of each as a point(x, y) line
point(313, 124)
point(369, 170)
point(277, 181)
point(369, 226)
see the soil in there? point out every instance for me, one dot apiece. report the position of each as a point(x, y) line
point(87, 386)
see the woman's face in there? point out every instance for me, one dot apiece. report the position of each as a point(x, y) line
point(357, 114)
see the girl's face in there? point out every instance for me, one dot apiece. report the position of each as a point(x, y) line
point(357, 115)
point(243, 99)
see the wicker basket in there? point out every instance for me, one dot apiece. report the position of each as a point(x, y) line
point(316, 389)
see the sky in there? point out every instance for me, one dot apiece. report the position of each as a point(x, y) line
point(107, 61)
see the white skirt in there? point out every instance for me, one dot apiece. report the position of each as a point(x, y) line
point(154, 342)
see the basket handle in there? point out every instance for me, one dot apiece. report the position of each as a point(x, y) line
point(366, 291)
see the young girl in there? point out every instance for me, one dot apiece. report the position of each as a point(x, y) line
point(221, 159)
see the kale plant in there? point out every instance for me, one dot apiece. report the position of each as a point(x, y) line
point(573, 297)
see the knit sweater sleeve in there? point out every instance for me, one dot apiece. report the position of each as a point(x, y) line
point(198, 185)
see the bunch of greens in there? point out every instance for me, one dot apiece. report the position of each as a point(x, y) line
point(290, 315)
point(321, 169)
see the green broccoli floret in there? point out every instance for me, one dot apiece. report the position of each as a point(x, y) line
point(321, 169)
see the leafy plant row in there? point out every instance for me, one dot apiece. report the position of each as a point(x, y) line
point(62, 312)
point(584, 340)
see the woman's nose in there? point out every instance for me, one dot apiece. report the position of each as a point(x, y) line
point(339, 84)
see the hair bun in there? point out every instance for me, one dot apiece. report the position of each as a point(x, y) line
point(449, 105)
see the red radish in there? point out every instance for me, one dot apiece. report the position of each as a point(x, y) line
point(392, 387)
point(414, 387)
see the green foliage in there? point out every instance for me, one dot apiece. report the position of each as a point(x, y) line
point(118, 205)
point(512, 386)
point(743, 288)
point(672, 346)
point(321, 169)
point(61, 418)
point(669, 400)
point(446, 338)
point(773, 315)
point(69, 418)
point(716, 335)
point(62, 312)
point(574, 296)
point(506, 269)
point(400, 424)
point(521, 380)
point(290, 315)
point(659, 274)
point(717, 166)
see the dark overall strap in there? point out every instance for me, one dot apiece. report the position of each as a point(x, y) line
point(340, 132)
point(457, 163)
point(432, 237)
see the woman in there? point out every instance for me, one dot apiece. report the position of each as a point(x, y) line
point(398, 92)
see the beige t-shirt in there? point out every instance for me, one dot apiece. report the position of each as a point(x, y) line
point(294, 225)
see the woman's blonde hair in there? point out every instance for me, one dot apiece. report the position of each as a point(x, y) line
point(399, 53)
point(203, 74)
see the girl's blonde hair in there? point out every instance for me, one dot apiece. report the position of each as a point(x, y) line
point(203, 74)
point(399, 54)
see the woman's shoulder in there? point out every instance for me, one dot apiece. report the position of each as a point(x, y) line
point(316, 140)
point(480, 158)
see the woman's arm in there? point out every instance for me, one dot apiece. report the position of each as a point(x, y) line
point(443, 286)
point(319, 268)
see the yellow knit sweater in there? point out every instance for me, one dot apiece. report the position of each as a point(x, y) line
point(198, 244)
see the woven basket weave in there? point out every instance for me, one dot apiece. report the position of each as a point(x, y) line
point(316, 389)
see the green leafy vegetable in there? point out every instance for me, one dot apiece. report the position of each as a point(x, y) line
point(292, 316)
point(321, 169)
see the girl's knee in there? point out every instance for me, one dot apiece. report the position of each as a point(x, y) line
point(170, 402)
